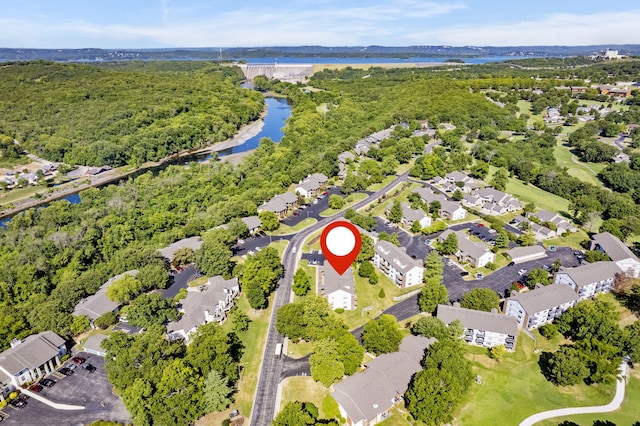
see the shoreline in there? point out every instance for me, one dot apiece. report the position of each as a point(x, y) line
point(243, 134)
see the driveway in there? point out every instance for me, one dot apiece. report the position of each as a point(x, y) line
point(91, 390)
point(180, 280)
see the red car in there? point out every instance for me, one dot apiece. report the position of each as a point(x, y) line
point(78, 360)
point(35, 388)
point(480, 225)
point(295, 213)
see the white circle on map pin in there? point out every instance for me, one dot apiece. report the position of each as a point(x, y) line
point(340, 241)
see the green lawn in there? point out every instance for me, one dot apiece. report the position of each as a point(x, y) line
point(586, 172)
point(359, 196)
point(368, 296)
point(628, 414)
point(286, 229)
point(514, 388)
point(303, 389)
point(397, 193)
point(573, 240)
point(280, 246)
point(542, 199)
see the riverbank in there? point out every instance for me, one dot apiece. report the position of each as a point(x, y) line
point(245, 133)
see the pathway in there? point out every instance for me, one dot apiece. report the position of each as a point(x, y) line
point(612, 406)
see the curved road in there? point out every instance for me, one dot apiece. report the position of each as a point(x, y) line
point(264, 400)
point(612, 406)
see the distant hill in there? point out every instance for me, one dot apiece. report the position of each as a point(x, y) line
point(92, 55)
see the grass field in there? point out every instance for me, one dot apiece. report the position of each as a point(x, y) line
point(573, 240)
point(378, 186)
point(286, 229)
point(542, 199)
point(303, 389)
point(358, 196)
point(586, 172)
point(280, 246)
point(401, 195)
point(514, 388)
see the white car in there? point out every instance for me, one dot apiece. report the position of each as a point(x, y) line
point(522, 271)
point(258, 248)
point(251, 253)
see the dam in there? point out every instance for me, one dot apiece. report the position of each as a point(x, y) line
point(285, 72)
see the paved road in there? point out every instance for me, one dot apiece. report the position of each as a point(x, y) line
point(615, 403)
point(271, 369)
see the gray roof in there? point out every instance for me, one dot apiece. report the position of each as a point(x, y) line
point(457, 176)
point(591, 272)
point(193, 243)
point(397, 256)
point(493, 194)
point(34, 351)
point(370, 392)
point(99, 304)
point(288, 197)
point(616, 249)
point(479, 320)
point(518, 252)
point(546, 297)
point(411, 215)
point(345, 156)
point(469, 248)
point(275, 205)
point(450, 206)
point(252, 222)
point(93, 343)
point(334, 281)
point(429, 196)
point(197, 302)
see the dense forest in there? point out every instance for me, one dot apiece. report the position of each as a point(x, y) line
point(121, 114)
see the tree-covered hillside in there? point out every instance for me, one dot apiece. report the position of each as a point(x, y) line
point(125, 114)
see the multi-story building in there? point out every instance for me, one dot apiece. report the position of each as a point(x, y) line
point(340, 290)
point(590, 279)
point(477, 254)
point(486, 329)
point(618, 252)
point(541, 305)
point(395, 263)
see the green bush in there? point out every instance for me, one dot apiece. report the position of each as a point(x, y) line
point(106, 320)
point(381, 294)
point(339, 310)
point(548, 330)
point(373, 278)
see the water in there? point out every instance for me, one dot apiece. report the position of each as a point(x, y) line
point(278, 110)
point(316, 61)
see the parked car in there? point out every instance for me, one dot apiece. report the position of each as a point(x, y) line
point(511, 263)
point(47, 382)
point(18, 403)
point(66, 371)
point(90, 368)
point(258, 248)
point(464, 273)
point(78, 360)
point(492, 231)
point(35, 388)
point(23, 397)
point(234, 413)
point(522, 271)
point(480, 225)
point(295, 214)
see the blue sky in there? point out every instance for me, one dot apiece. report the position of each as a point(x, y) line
point(250, 23)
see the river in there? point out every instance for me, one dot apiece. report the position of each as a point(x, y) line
point(277, 112)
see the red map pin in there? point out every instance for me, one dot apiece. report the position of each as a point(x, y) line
point(340, 242)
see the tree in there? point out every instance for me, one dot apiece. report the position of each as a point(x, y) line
point(538, 276)
point(457, 195)
point(336, 202)
point(123, 289)
point(416, 227)
point(564, 367)
point(431, 327)
point(366, 269)
point(432, 294)
point(450, 244)
point(381, 336)
point(295, 414)
point(480, 170)
point(592, 256)
point(366, 249)
point(502, 240)
point(240, 321)
point(153, 276)
point(373, 278)
point(260, 275)
point(350, 353)
point(497, 352)
point(217, 392)
point(548, 330)
point(395, 212)
point(270, 221)
point(79, 324)
point(183, 256)
point(214, 258)
point(500, 179)
point(301, 282)
point(325, 364)
point(148, 309)
point(105, 320)
point(480, 299)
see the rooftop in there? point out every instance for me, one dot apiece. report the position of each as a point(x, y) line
point(546, 297)
point(479, 320)
point(396, 256)
point(616, 249)
point(31, 353)
point(334, 281)
point(591, 272)
point(193, 243)
point(98, 304)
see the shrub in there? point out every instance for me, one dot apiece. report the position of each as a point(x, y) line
point(373, 278)
point(548, 330)
point(339, 310)
point(106, 320)
point(381, 294)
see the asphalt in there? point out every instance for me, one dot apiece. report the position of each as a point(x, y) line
point(91, 390)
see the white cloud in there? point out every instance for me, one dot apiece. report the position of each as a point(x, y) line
point(553, 29)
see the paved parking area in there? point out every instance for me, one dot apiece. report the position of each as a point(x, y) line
point(91, 390)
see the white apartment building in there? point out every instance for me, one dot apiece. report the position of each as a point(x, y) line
point(395, 263)
point(541, 305)
point(590, 279)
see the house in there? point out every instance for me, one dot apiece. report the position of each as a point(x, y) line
point(203, 305)
point(30, 359)
point(397, 264)
point(410, 215)
point(553, 115)
point(486, 329)
point(590, 279)
point(493, 196)
point(367, 397)
point(471, 201)
point(562, 225)
point(342, 171)
point(280, 204)
point(452, 210)
point(477, 254)
point(527, 253)
point(312, 185)
point(253, 223)
point(493, 209)
point(93, 345)
point(346, 157)
point(539, 232)
point(339, 290)
point(363, 145)
point(452, 181)
point(193, 243)
point(92, 171)
point(617, 252)
point(541, 305)
point(99, 304)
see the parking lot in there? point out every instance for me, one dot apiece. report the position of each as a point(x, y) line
point(91, 390)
